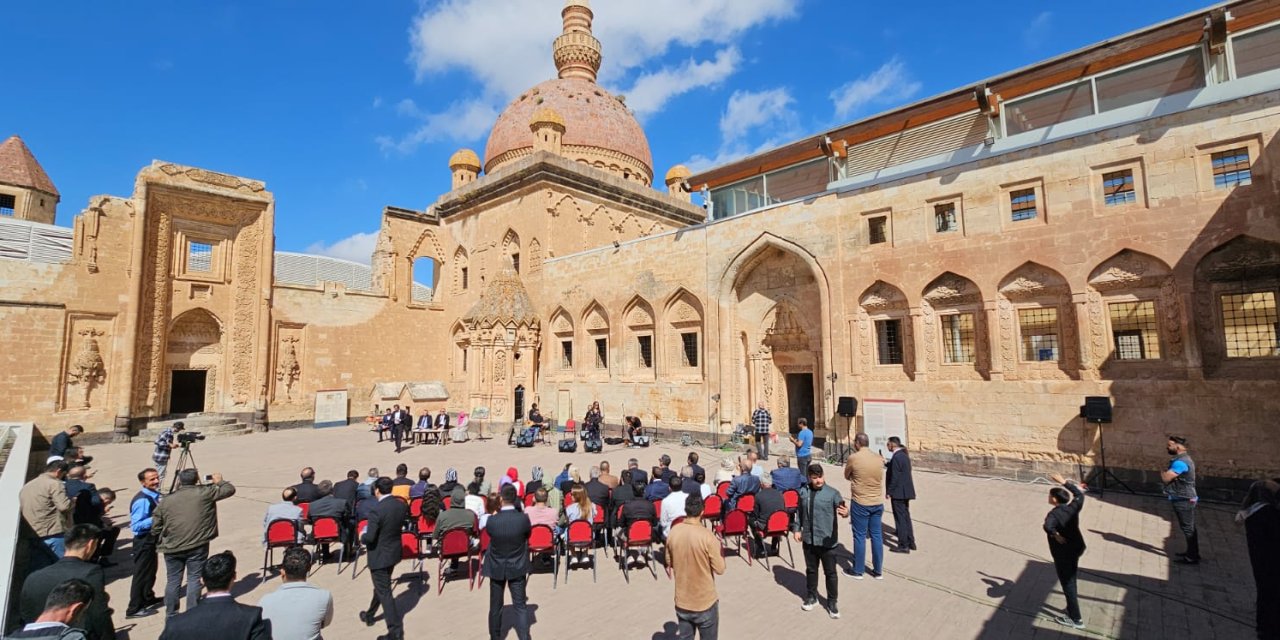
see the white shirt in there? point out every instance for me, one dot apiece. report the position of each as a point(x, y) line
point(475, 504)
point(672, 508)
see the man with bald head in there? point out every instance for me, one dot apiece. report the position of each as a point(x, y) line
point(307, 490)
point(286, 509)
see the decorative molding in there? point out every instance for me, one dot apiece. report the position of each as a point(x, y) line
point(213, 178)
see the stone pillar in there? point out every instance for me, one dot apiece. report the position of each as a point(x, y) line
point(920, 345)
point(1086, 365)
point(991, 308)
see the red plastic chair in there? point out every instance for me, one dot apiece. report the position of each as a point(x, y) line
point(426, 530)
point(415, 508)
point(722, 490)
point(281, 534)
point(448, 502)
point(411, 548)
point(570, 429)
point(528, 500)
point(791, 499)
point(480, 551)
point(778, 527)
point(734, 526)
point(580, 539)
point(327, 530)
point(639, 538)
point(455, 544)
point(711, 509)
point(306, 510)
point(746, 503)
point(542, 540)
point(657, 508)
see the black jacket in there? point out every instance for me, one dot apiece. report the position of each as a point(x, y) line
point(346, 490)
point(598, 493)
point(508, 554)
point(331, 506)
point(382, 538)
point(1064, 520)
point(35, 590)
point(87, 507)
point(638, 509)
point(768, 501)
point(897, 477)
point(307, 491)
point(218, 618)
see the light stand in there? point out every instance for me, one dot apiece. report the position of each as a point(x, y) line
point(1101, 472)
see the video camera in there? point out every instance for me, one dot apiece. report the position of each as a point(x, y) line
point(185, 438)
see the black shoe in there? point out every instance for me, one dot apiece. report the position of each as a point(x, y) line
point(153, 601)
point(808, 604)
point(900, 549)
point(912, 547)
point(366, 618)
point(140, 613)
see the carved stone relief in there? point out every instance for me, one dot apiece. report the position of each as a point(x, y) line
point(86, 372)
point(288, 365)
point(500, 367)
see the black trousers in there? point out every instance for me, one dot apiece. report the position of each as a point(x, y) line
point(902, 523)
point(145, 563)
point(1185, 512)
point(519, 602)
point(396, 436)
point(1067, 565)
point(382, 596)
point(813, 555)
point(106, 542)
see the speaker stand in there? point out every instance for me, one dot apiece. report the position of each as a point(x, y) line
point(1101, 472)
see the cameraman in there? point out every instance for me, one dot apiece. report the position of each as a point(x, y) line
point(184, 523)
point(165, 443)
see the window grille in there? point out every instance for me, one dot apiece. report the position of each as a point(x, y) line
point(958, 338)
point(889, 341)
point(1022, 204)
point(1135, 330)
point(1039, 331)
point(1117, 188)
point(1231, 168)
point(1249, 324)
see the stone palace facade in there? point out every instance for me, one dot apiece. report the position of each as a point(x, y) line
point(1102, 223)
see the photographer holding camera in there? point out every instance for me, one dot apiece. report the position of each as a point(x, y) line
point(184, 523)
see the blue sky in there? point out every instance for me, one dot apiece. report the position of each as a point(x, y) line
point(345, 107)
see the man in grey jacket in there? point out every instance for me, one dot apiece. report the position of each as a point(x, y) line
point(815, 527)
point(184, 523)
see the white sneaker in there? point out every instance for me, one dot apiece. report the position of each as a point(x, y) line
point(851, 574)
point(808, 605)
point(833, 611)
point(1066, 621)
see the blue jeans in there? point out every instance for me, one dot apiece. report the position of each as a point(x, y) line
point(867, 520)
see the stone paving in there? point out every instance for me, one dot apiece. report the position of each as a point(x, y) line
point(982, 570)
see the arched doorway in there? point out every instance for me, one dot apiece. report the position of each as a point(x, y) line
point(777, 317)
point(193, 359)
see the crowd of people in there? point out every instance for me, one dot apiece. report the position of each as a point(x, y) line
point(679, 508)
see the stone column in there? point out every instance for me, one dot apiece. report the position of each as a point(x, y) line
point(920, 345)
point(1087, 367)
point(991, 308)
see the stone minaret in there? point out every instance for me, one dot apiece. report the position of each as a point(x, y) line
point(576, 51)
point(465, 166)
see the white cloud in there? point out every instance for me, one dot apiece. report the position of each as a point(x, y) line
point(651, 91)
point(891, 84)
point(745, 116)
point(357, 247)
point(505, 46)
point(1037, 30)
point(461, 122)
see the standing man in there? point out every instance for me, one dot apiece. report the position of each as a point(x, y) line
point(184, 524)
point(803, 440)
point(865, 472)
point(297, 610)
point(763, 423)
point(46, 507)
point(63, 614)
point(693, 553)
point(901, 491)
point(1180, 486)
point(82, 543)
point(165, 443)
point(1066, 545)
point(141, 589)
point(815, 528)
point(506, 564)
point(382, 539)
point(397, 431)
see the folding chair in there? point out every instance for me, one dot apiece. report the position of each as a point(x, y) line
point(327, 530)
point(722, 490)
point(306, 511)
point(580, 539)
point(529, 499)
point(778, 526)
point(657, 509)
point(711, 509)
point(411, 549)
point(415, 508)
point(426, 530)
point(734, 525)
point(281, 534)
point(746, 503)
point(358, 547)
point(480, 551)
point(570, 429)
point(542, 540)
point(597, 523)
point(455, 544)
point(639, 538)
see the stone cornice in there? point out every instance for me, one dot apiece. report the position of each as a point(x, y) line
point(427, 217)
point(545, 166)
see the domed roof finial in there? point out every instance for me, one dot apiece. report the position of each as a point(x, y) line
point(576, 51)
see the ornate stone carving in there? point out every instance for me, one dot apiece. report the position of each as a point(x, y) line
point(88, 369)
point(1033, 281)
point(950, 289)
point(153, 312)
point(535, 256)
point(288, 369)
point(639, 316)
point(500, 366)
point(1007, 333)
point(929, 322)
point(1070, 343)
point(1171, 317)
point(786, 334)
point(1128, 270)
point(244, 327)
point(881, 296)
point(1100, 346)
point(214, 178)
point(595, 319)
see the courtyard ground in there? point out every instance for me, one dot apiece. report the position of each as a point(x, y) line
point(982, 570)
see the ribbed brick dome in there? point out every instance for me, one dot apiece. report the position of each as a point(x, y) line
point(592, 118)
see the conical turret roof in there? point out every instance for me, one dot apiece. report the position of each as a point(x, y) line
point(18, 167)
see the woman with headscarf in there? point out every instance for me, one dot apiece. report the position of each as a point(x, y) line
point(725, 472)
point(512, 477)
point(450, 482)
point(1260, 515)
point(535, 481)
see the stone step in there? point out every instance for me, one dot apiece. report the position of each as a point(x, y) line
point(214, 431)
point(193, 422)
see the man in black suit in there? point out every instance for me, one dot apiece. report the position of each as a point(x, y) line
point(307, 489)
point(81, 542)
point(902, 490)
point(61, 618)
point(597, 492)
point(398, 421)
point(442, 420)
point(506, 564)
point(768, 502)
point(382, 539)
point(218, 616)
point(347, 489)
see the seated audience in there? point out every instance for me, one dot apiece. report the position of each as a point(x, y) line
point(307, 490)
point(703, 486)
point(664, 467)
point(768, 502)
point(286, 509)
point(492, 503)
point(672, 506)
point(579, 507)
point(474, 501)
point(693, 462)
point(636, 509)
point(540, 513)
point(637, 474)
point(348, 489)
point(331, 506)
point(401, 484)
point(450, 482)
point(422, 485)
point(597, 491)
point(297, 610)
point(786, 477)
point(658, 488)
point(742, 484)
point(365, 490)
point(726, 471)
point(608, 478)
point(535, 481)
point(755, 467)
point(688, 485)
point(218, 616)
point(512, 477)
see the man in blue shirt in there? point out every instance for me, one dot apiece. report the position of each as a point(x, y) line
point(1180, 486)
point(785, 477)
point(804, 444)
point(142, 597)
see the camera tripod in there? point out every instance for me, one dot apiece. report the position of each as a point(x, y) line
point(185, 461)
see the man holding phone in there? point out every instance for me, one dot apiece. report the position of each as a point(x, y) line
point(184, 523)
point(815, 527)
